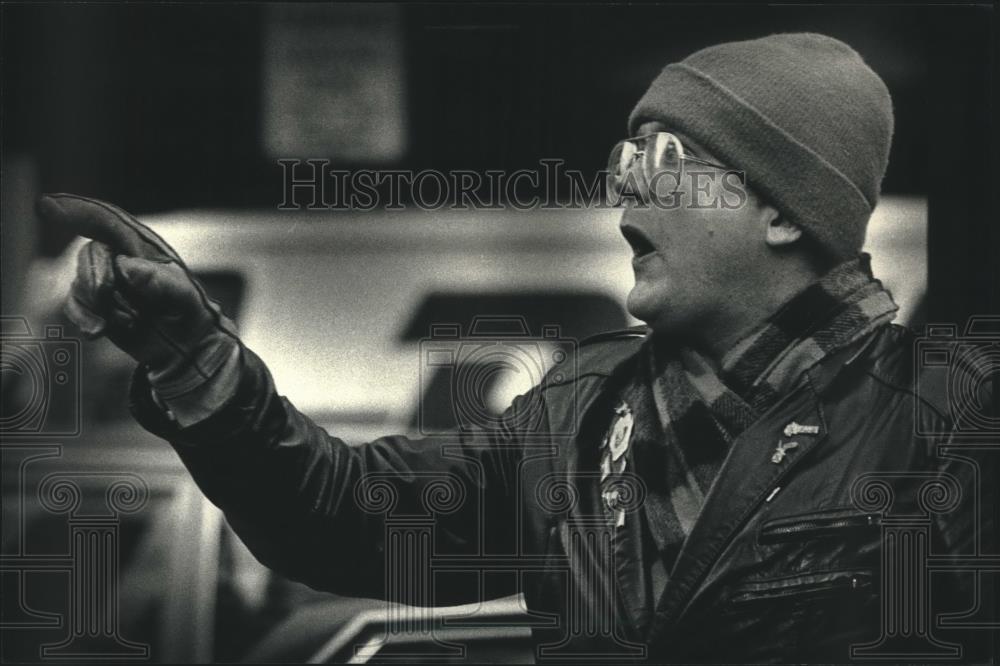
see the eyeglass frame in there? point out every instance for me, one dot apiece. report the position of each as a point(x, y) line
point(682, 156)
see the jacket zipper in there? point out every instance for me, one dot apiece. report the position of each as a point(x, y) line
point(848, 581)
point(818, 526)
point(869, 521)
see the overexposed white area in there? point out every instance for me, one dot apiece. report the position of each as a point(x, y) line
point(328, 294)
point(897, 242)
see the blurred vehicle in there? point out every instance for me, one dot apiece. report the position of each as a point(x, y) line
point(338, 305)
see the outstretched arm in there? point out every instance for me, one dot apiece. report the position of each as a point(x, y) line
point(304, 502)
point(331, 515)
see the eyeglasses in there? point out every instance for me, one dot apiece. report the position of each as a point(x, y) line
point(660, 154)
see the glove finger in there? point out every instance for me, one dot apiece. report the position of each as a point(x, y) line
point(94, 279)
point(95, 275)
point(93, 302)
point(163, 286)
point(93, 325)
point(90, 324)
point(104, 222)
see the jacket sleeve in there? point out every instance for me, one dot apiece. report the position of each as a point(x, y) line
point(347, 519)
point(969, 470)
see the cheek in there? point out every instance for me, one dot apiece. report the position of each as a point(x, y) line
point(700, 239)
point(733, 238)
point(714, 256)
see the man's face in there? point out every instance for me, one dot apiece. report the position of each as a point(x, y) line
point(693, 262)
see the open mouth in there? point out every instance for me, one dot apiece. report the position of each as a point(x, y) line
point(641, 245)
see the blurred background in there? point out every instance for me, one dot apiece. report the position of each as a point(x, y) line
point(180, 112)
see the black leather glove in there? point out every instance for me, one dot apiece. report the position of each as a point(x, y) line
point(132, 287)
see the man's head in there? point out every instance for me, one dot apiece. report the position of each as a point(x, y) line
point(807, 122)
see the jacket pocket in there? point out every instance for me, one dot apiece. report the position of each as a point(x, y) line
point(803, 586)
point(817, 524)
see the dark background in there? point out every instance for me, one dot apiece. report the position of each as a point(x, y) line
point(159, 106)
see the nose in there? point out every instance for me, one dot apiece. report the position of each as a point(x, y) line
point(624, 217)
point(631, 215)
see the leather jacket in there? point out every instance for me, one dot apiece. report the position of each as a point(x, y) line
point(872, 539)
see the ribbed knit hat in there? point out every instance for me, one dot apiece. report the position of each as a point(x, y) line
point(802, 114)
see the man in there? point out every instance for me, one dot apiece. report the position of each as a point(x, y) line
point(714, 488)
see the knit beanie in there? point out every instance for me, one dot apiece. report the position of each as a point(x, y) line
point(800, 113)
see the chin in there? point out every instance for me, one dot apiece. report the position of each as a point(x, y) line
point(663, 319)
point(646, 309)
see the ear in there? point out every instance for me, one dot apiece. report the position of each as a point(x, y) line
point(780, 232)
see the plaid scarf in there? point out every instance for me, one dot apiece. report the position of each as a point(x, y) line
point(684, 415)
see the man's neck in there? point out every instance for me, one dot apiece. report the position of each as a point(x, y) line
point(751, 303)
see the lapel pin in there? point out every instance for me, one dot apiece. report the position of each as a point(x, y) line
point(781, 451)
point(613, 460)
point(612, 502)
point(621, 432)
point(793, 429)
